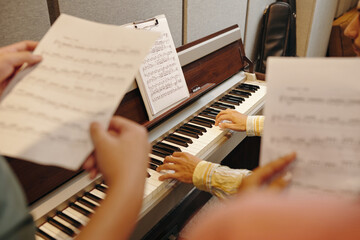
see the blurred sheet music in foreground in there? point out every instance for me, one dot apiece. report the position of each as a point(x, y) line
point(312, 108)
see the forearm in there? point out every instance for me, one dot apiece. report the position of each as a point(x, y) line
point(117, 215)
point(255, 125)
point(220, 181)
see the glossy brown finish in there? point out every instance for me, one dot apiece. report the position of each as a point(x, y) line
point(132, 107)
point(205, 73)
point(215, 67)
point(38, 180)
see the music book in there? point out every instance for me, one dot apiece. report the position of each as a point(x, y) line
point(312, 108)
point(160, 78)
point(87, 68)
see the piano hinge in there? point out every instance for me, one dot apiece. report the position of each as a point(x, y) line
point(250, 66)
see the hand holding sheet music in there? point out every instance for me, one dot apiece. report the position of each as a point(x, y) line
point(312, 108)
point(87, 68)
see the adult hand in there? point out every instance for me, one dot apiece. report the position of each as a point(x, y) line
point(237, 120)
point(121, 153)
point(183, 164)
point(271, 174)
point(14, 56)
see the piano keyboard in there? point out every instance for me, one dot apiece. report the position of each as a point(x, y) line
point(194, 135)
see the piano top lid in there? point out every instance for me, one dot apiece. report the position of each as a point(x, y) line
point(195, 50)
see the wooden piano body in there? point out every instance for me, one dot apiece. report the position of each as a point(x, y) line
point(213, 65)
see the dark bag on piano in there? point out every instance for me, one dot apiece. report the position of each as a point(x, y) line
point(278, 32)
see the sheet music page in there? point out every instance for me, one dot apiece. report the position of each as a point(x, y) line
point(161, 72)
point(87, 68)
point(313, 108)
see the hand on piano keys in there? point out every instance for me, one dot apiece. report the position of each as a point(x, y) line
point(183, 164)
point(231, 119)
point(177, 152)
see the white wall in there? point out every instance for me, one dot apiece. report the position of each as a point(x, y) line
point(29, 19)
point(22, 20)
point(124, 11)
point(209, 16)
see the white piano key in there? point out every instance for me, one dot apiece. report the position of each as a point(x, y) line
point(156, 157)
point(252, 100)
point(48, 232)
point(84, 207)
point(91, 201)
point(65, 223)
point(81, 218)
point(98, 193)
point(39, 238)
point(148, 189)
point(153, 179)
point(104, 185)
point(56, 233)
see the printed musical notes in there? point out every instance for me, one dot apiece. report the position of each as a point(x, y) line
point(312, 108)
point(87, 68)
point(161, 81)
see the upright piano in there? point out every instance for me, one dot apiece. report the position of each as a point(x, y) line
point(62, 201)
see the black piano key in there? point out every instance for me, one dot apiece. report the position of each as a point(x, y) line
point(223, 106)
point(240, 93)
point(86, 203)
point(168, 146)
point(191, 129)
point(93, 197)
point(148, 175)
point(163, 150)
point(240, 99)
point(185, 139)
point(101, 188)
point(68, 219)
point(208, 115)
point(187, 133)
point(201, 129)
point(246, 88)
point(153, 166)
point(205, 120)
point(229, 101)
point(158, 153)
point(155, 161)
point(218, 106)
point(204, 124)
point(43, 234)
point(176, 141)
point(61, 226)
point(80, 209)
point(212, 111)
point(251, 86)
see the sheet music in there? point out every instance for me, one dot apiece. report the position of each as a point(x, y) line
point(87, 68)
point(161, 73)
point(312, 108)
